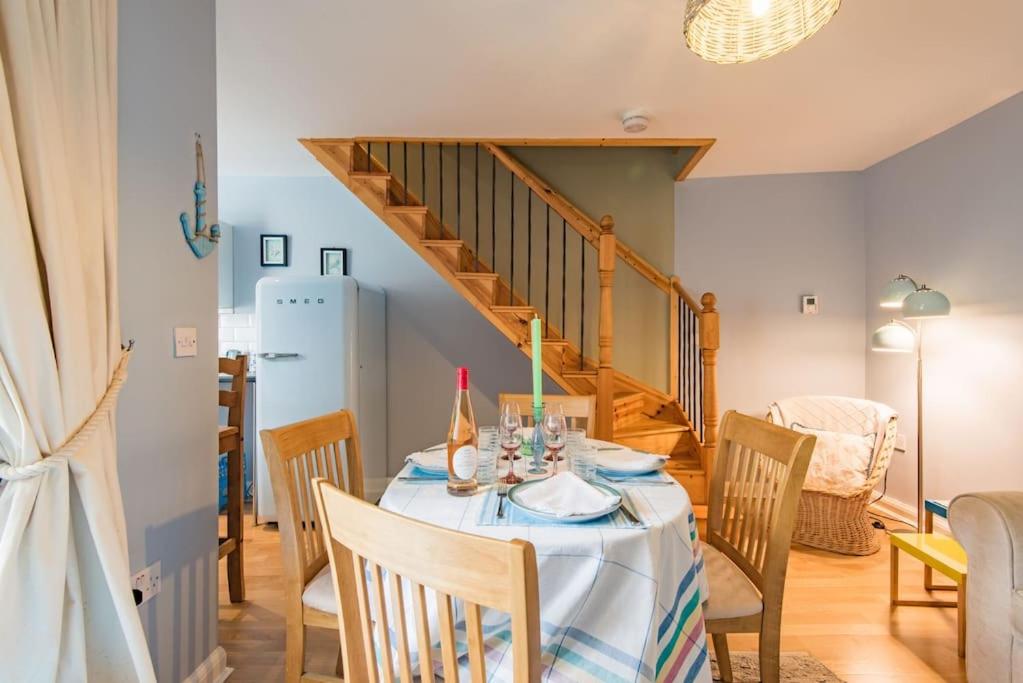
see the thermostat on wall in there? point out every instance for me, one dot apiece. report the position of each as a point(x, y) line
point(811, 303)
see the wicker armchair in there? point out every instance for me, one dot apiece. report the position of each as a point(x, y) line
point(837, 520)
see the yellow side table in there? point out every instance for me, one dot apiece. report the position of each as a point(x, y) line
point(939, 553)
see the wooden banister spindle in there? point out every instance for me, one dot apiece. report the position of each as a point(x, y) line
point(605, 335)
point(674, 347)
point(710, 341)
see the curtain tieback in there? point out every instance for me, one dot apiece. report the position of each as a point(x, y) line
point(80, 437)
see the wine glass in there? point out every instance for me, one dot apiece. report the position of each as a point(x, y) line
point(511, 439)
point(554, 428)
point(510, 421)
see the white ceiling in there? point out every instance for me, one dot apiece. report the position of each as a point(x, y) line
point(882, 76)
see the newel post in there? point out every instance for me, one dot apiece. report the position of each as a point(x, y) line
point(710, 341)
point(605, 336)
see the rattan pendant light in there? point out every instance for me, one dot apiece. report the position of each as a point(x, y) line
point(736, 31)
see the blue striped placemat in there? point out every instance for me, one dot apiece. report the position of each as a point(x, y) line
point(514, 516)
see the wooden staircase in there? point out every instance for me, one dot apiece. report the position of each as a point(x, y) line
point(680, 421)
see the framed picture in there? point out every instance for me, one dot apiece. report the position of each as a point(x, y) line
point(333, 261)
point(273, 250)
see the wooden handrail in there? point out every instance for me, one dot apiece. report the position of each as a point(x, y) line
point(579, 221)
point(676, 286)
point(605, 370)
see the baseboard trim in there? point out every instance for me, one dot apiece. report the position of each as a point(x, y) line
point(213, 669)
point(892, 508)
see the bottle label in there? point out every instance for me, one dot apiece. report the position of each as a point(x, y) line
point(463, 462)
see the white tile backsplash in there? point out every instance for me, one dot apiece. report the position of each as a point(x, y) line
point(237, 331)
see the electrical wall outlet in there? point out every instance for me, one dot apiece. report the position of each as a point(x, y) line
point(146, 583)
point(811, 304)
point(185, 342)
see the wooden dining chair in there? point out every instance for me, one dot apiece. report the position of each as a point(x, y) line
point(580, 411)
point(481, 572)
point(295, 455)
point(758, 476)
point(232, 441)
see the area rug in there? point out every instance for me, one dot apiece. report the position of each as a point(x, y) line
point(796, 667)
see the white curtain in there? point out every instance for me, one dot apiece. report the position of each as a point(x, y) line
point(66, 611)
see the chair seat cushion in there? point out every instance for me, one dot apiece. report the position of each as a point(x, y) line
point(731, 593)
point(319, 593)
point(1017, 613)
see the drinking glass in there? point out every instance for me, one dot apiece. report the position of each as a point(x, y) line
point(575, 438)
point(511, 439)
point(554, 429)
point(486, 473)
point(584, 461)
point(511, 420)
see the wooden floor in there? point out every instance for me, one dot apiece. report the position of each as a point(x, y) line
point(836, 608)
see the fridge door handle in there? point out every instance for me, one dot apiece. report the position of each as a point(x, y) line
point(276, 356)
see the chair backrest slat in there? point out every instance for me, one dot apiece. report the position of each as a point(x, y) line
point(472, 571)
point(580, 411)
point(234, 398)
point(295, 455)
point(423, 632)
point(754, 492)
point(400, 628)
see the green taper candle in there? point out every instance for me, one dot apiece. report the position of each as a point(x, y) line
point(534, 333)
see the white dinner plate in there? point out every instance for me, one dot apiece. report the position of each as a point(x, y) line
point(515, 491)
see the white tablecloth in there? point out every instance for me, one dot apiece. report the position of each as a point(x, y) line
point(615, 604)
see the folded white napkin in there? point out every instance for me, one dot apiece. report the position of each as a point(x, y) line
point(434, 460)
point(566, 495)
point(628, 461)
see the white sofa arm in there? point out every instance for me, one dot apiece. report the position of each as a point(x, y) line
point(990, 528)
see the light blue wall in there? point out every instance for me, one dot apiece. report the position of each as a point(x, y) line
point(167, 419)
point(760, 243)
point(431, 330)
point(949, 212)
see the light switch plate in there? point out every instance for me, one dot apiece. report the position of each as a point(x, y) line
point(811, 304)
point(185, 342)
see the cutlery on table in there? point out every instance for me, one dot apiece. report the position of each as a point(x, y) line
point(502, 493)
point(637, 481)
point(630, 514)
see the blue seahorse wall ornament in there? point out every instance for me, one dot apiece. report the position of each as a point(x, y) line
point(202, 239)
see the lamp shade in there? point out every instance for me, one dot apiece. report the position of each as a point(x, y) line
point(926, 303)
point(737, 31)
point(893, 337)
point(896, 291)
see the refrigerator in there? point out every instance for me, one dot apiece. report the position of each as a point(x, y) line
point(320, 347)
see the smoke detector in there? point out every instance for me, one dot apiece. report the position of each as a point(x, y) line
point(635, 122)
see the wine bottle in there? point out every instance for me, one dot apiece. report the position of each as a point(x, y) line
point(463, 444)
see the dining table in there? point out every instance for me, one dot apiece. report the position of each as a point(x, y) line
point(619, 600)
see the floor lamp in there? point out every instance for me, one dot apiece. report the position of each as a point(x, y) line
point(896, 336)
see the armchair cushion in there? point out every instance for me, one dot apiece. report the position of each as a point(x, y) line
point(841, 462)
point(868, 421)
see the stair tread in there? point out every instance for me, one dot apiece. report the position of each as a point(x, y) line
point(370, 174)
point(442, 243)
point(475, 275)
point(648, 425)
point(579, 373)
point(406, 208)
point(512, 309)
